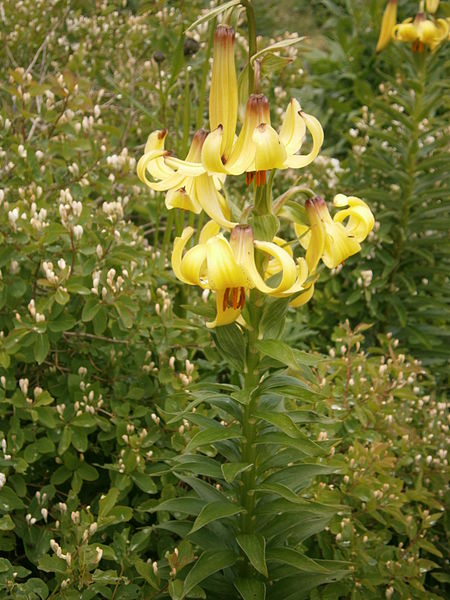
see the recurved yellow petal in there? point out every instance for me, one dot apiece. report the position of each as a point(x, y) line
point(177, 253)
point(270, 153)
point(298, 161)
point(180, 199)
point(293, 129)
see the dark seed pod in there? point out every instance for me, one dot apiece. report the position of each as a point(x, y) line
point(159, 57)
point(190, 47)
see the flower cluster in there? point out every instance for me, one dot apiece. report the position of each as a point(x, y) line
point(420, 31)
point(229, 259)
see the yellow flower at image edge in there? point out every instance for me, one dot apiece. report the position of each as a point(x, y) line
point(330, 239)
point(421, 32)
point(187, 184)
point(228, 268)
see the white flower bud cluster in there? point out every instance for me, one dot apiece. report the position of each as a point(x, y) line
point(2, 480)
point(166, 301)
point(49, 271)
point(118, 161)
point(114, 210)
point(13, 216)
point(89, 403)
point(59, 553)
point(69, 211)
point(3, 446)
point(38, 317)
point(37, 218)
point(365, 278)
point(117, 284)
point(150, 367)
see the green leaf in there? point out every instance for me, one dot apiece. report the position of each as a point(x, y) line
point(6, 523)
point(36, 586)
point(44, 399)
point(185, 504)
point(281, 421)
point(61, 296)
point(64, 441)
point(250, 589)
point(52, 564)
point(231, 470)
point(214, 511)
point(145, 482)
point(299, 476)
point(9, 500)
point(41, 348)
point(87, 472)
point(230, 342)
point(213, 13)
point(64, 322)
point(206, 565)
point(212, 435)
point(126, 315)
point(300, 561)
point(145, 569)
point(100, 321)
point(291, 357)
point(90, 309)
point(107, 502)
point(86, 419)
point(254, 547)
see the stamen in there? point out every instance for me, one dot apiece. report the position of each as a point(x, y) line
point(260, 178)
point(242, 299)
point(235, 297)
point(249, 176)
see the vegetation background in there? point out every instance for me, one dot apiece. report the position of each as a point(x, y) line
point(102, 352)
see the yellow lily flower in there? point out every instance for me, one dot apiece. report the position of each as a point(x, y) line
point(229, 269)
point(259, 147)
point(387, 24)
point(187, 184)
point(330, 239)
point(223, 95)
point(421, 32)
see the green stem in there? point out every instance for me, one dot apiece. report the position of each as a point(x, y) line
point(248, 446)
point(251, 24)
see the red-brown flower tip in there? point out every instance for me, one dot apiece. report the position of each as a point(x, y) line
point(314, 202)
point(200, 136)
point(162, 134)
point(224, 34)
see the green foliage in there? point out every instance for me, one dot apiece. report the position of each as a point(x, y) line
point(396, 157)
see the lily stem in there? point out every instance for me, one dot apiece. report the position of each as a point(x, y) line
point(248, 447)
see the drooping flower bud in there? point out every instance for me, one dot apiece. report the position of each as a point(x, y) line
point(432, 6)
point(223, 96)
point(387, 25)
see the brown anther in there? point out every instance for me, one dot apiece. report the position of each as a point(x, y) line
point(242, 299)
point(249, 176)
point(260, 178)
point(235, 298)
point(162, 134)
